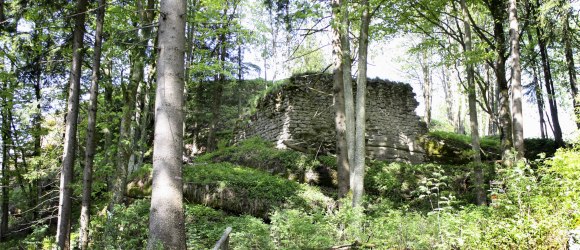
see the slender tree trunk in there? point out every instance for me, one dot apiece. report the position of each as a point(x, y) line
point(472, 99)
point(427, 88)
point(571, 67)
point(540, 102)
point(348, 88)
point(92, 122)
point(166, 221)
point(517, 95)
point(550, 89)
point(499, 12)
point(6, 141)
point(66, 174)
point(361, 91)
point(217, 97)
point(338, 92)
point(448, 95)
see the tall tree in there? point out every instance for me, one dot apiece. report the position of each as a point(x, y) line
point(348, 88)
point(548, 81)
point(567, 39)
point(517, 96)
point(338, 93)
point(68, 159)
point(92, 116)
point(166, 220)
point(6, 138)
point(361, 91)
point(472, 99)
point(498, 11)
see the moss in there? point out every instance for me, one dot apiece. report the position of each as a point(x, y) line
point(244, 190)
point(140, 181)
point(260, 154)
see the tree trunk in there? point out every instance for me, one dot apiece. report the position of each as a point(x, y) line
point(472, 99)
point(427, 88)
point(6, 138)
point(348, 88)
point(571, 67)
point(499, 12)
point(338, 92)
point(91, 125)
point(66, 174)
point(517, 96)
point(361, 85)
point(550, 89)
point(217, 96)
point(166, 221)
point(448, 95)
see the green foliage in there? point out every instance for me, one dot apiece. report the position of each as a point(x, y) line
point(260, 154)
point(124, 228)
point(247, 191)
point(451, 148)
point(422, 186)
point(205, 226)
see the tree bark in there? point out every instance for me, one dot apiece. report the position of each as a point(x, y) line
point(571, 67)
point(550, 89)
point(361, 84)
point(427, 88)
point(6, 138)
point(166, 221)
point(349, 115)
point(517, 96)
point(66, 175)
point(499, 12)
point(338, 92)
point(472, 99)
point(91, 125)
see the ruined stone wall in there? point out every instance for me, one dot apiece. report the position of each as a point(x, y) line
point(300, 114)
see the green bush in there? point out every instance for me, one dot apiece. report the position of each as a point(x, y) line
point(124, 228)
point(422, 186)
point(205, 226)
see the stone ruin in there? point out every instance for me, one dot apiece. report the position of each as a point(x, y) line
point(299, 114)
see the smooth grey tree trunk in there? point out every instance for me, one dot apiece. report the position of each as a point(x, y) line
point(166, 221)
point(427, 88)
point(474, 124)
point(92, 122)
point(348, 88)
point(361, 91)
point(517, 95)
point(68, 159)
point(338, 93)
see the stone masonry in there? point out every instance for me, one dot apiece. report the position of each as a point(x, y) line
point(300, 114)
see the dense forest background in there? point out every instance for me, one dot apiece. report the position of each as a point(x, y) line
point(119, 119)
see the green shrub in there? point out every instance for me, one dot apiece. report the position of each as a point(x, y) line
point(205, 226)
point(422, 186)
point(124, 228)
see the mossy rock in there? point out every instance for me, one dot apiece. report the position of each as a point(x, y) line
point(293, 165)
point(450, 148)
point(242, 190)
point(139, 182)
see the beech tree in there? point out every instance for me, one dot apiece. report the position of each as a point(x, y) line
point(166, 219)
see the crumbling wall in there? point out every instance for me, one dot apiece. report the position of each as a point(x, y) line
point(300, 115)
